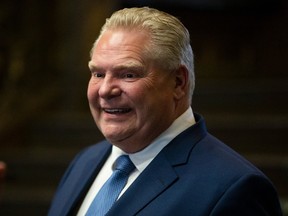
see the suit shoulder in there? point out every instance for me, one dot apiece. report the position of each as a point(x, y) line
point(223, 158)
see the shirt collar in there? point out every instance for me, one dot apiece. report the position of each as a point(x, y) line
point(142, 158)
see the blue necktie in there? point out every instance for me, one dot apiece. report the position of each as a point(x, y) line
point(110, 191)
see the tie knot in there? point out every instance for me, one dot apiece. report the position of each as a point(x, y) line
point(124, 164)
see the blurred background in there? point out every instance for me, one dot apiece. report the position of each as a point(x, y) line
point(241, 60)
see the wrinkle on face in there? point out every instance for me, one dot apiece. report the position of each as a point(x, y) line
point(149, 97)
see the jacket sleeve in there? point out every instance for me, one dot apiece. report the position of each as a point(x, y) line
point(251, 195)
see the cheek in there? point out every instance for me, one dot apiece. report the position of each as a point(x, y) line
point(92, 92)
point(89, 93)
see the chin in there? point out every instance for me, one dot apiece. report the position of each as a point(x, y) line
point(113, 137)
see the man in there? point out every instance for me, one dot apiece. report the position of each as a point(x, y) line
point(140, 91)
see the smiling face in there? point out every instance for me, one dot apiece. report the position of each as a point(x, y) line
point(132, 101)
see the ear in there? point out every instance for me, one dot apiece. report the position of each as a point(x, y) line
point(181, 82)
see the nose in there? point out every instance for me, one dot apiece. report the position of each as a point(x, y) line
point(109, 88)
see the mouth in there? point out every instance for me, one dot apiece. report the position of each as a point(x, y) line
point(117, 110)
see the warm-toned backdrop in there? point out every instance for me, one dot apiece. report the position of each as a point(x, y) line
point(241, 58)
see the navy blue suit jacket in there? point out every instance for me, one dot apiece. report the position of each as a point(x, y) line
point(195, 174)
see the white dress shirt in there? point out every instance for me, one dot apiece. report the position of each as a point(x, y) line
point(140, 159)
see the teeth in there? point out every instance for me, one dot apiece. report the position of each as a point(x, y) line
point(116, 110)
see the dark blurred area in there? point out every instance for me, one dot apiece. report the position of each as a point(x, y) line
point(241, 61)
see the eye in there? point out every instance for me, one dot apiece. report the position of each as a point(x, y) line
point(129, 75)
point(97, 74)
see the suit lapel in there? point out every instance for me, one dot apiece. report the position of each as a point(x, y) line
point(160, 173)
point(147, 186)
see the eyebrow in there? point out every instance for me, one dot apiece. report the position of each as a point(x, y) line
point(92, 66)
point(128, 65)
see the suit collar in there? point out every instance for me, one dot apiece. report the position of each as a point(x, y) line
point(179, 149)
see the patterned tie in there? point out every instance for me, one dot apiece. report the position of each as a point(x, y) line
point(110, 191)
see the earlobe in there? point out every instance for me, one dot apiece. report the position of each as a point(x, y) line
point(181, 82)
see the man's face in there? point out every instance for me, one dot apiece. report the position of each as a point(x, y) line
point(131, 100)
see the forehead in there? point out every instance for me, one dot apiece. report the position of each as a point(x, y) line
point(122, 38)
point(120, 45)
